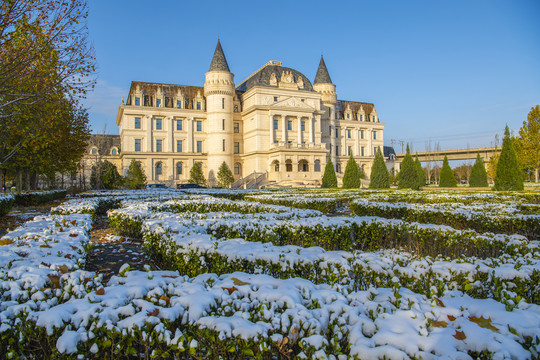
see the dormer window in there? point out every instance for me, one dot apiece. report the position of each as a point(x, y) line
point(198, 105)
point(361, 117)
point(158, 102)
point(275, 98)
point(348, 116)
point(94, 151)
point(178, 104)
point(114, 151)
point(137, 101)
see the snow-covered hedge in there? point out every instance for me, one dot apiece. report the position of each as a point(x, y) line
point(38, 197)
point(497, 218)
point(323, 204)
point(6, 203)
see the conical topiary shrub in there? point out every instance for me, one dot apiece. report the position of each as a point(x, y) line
point(351, 177)
point(508, 175)
point(379, 178)
point(329, 179)
point(196, 175)
point(408, 178)
point(447, 175)
point(478, 176)
point(224, 177)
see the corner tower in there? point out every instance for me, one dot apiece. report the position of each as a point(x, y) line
point(219, 92)
point(324, 86)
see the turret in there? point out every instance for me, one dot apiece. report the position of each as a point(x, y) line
point(219, 92)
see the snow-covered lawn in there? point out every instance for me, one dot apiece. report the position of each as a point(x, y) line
point(245, 281)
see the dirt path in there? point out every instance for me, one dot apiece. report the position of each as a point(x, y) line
point(109, 252)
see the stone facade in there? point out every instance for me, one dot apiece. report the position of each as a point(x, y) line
point(275, 125)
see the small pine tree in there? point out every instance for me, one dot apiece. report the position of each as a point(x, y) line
point(329, 179)
point(509, 176)
point(379, 178)
point(135, 178)
point(420, 174)
point(407, 177)
point(351, 177)
point(224, 177)
point(196, 175)
point(110, 178)
point(447, 175)
point(478, 176)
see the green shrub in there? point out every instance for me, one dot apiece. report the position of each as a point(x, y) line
point(447, 175)
point(224, 177)
point(196, 175)
point(135, 178)
point(329, 179)
point(6, 203)
point(420, 174)
point(351, 177)
point(40, 197)
point(408, 176)
point(508, 175)
point(379, 178)
point(478, 176)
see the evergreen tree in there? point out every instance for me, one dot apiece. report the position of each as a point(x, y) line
point(508, 175)
point(527, 146)
point(104, 175)
point(420, 174)
point(135, 178)
point(478, 176)
point(329, 179)
point(407, 177)
point(196, 175)
point(224, 177)
point(351, 177)
point(447, 175)
point(379, 178)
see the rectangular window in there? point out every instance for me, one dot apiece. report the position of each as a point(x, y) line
point(349, 133)
point(158, 124)
point(362, 151)
point(237, 148)
point(275, 98)
point(235, 108)
point(223, 145)
point(137, 144)
point(236, 128)
point(223, 124)
point(158, 102)
point(349, 150)
point(275, 124)
point(137, 101)
point(289, 124)
point(199, 125)
point(373, 119)
point(178, 145)
point(199, 146)
point(348, 116)
point(303, 126)
point(330, 130)
point(223, 103)
point(337, 132)
point(159, 144)
point(374, 135)
point(137, 123)
point(178, 104)
point(179, 125)
point(361, 117)
point(337, 150)
point(198, 105)
point(361, 134)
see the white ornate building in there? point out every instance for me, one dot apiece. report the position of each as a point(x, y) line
point(274, 127)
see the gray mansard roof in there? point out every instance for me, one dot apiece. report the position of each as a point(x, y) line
point(263, 76)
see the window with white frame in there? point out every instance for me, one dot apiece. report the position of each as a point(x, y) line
point(158, 124)
point(159, 145)
point(199, 125)
point(137, 123)
point(137, 144)
point(179, 146)
point(199, 146)
point(179, 125)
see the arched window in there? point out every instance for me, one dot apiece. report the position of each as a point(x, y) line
point(303, 166)
point(179, 168)
point(114, 151)
point(159, 170)
point(288, 166)
point(94, 151)
point(237, 169)
point(275, 165)
point(317, 166)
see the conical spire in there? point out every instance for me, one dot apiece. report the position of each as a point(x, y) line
point(219, 63)
point(322, 77)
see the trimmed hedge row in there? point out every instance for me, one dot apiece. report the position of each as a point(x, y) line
point(40, 197)
point(325, 205)
point(526, 226)
point(6, 203)
point(356, 271)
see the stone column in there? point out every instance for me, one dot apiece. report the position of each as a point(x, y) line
point(189, 139)
point(357, 142)
point(284, 130)
point(311, 124)
point(370, 142)
point(272, 132)
point(149, 139)
point(170, 145)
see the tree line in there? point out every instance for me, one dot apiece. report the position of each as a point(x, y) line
point(46, 68)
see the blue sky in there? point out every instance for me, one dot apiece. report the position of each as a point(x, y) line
point(447, 72)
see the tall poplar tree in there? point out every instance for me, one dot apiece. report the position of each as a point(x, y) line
point(508, 175)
